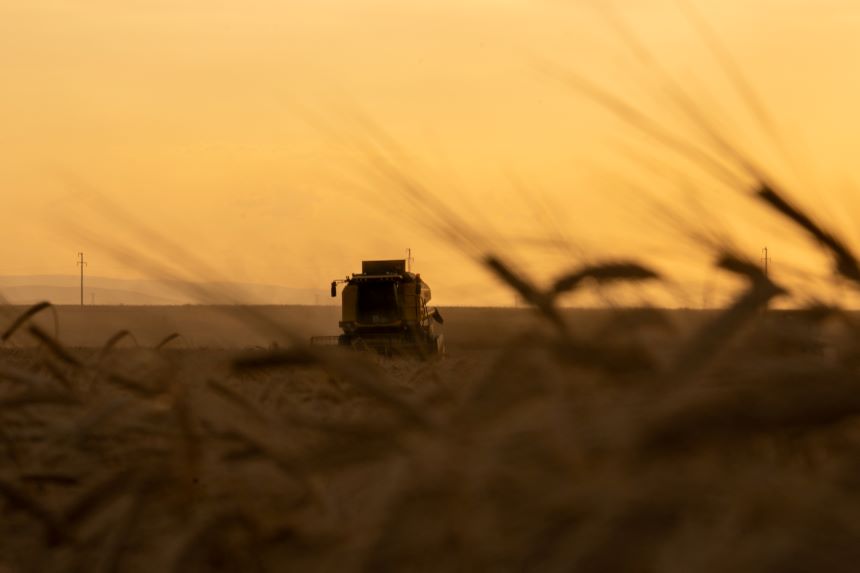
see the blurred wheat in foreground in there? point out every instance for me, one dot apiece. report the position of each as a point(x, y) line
point(636, 440)
point(724, 441)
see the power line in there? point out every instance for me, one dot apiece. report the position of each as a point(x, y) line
point(82, 263)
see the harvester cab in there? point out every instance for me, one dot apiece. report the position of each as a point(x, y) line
point(385, 308)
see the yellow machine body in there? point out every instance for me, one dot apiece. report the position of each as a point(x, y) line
point(385, 307)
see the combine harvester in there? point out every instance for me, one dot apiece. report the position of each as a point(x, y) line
point(384, 308)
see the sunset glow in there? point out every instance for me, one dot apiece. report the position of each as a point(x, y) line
point(231, 128)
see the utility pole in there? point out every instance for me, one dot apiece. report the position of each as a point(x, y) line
point(409, 260)
point(82, 264)
point(765, 260)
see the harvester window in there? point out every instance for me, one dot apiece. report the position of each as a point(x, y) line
point(377, 303)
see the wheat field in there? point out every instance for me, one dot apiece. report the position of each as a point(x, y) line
point(626, 440)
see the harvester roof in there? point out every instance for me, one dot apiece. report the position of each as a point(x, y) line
point(387, 267)
point(389, 271)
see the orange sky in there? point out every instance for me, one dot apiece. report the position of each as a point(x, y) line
point(200, 118)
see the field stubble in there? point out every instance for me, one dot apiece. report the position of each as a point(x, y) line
point(615, 447)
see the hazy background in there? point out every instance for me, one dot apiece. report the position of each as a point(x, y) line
point(201, 119)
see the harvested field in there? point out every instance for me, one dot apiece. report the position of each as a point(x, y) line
point(530, 452)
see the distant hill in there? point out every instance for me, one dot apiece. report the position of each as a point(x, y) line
point(65, 289)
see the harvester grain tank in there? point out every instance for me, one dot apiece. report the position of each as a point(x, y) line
point(386, 308)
